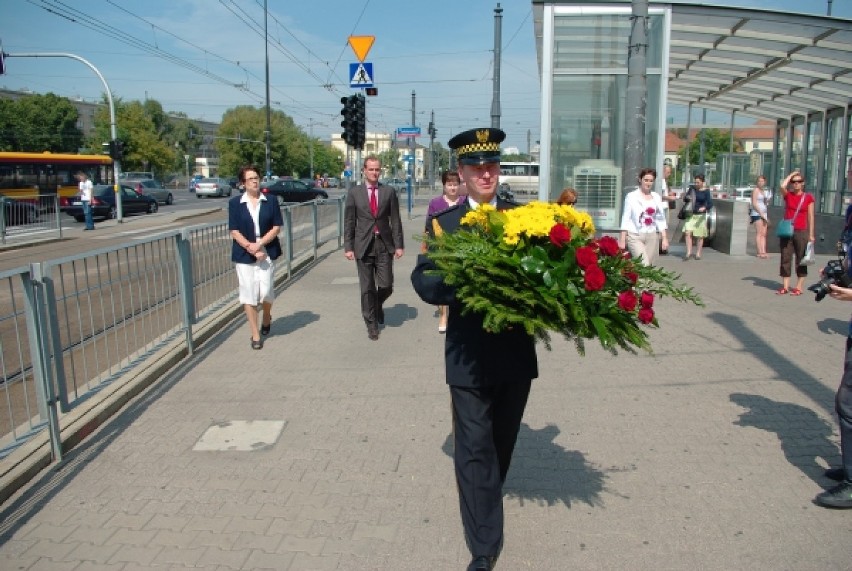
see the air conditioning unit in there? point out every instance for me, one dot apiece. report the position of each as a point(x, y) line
point(599, 192)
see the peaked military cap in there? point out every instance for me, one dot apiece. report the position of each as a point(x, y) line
point(478, 146)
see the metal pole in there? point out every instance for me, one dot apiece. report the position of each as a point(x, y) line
point(113, 132)
point(495, 99)
point(311, 148)
point(268, 114)
point(413, 157)
point(637, 92)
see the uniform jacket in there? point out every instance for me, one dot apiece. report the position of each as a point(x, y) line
point(474, 357)
point(359, 222)
point(240, 219)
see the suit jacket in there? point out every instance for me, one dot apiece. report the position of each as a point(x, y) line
point(240, 219)
point(474, 357)
point(359, 222)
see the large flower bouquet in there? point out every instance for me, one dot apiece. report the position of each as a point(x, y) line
point(540, 267)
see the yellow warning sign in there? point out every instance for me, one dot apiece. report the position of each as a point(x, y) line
point(361, 46)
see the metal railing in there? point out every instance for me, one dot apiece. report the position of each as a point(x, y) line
point(73, 325)
point(25, 216)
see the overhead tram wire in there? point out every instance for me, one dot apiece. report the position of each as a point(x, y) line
point(99, 26)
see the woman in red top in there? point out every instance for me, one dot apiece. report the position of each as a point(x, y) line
point(796, 199)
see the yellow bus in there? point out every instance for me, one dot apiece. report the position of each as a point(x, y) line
point(32, 175)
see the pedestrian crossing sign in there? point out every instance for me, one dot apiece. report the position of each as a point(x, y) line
point(361, 74)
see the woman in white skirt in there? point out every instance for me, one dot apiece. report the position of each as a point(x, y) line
point(254, 222)
point(643, 221)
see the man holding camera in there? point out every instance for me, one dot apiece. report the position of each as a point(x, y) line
point(840, 496)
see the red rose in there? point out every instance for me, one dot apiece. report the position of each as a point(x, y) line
point(650, 210)
point(594, 278)
point(646, 315)
point(648, 221)
point(632, 277)
point(627, 300)
point(560, 235)
point(647, 299)
point(586, 257)
point(608, 246)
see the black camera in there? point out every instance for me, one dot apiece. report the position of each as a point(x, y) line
point(833, 273)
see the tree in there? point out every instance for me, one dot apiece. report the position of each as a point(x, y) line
point(141, 129)
point(242, 136)
point(38, 123)
point(715, 142)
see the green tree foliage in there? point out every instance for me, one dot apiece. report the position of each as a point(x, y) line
point(241, 141)
point(147, 133)
point(39, 123)
point(716, 142)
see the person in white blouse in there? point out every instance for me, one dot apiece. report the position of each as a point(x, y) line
point(643, 221)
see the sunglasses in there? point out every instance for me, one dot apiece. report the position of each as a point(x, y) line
point(797, 181)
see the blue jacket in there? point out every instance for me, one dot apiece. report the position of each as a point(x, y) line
point(240, 219)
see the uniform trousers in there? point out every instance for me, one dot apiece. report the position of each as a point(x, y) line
point(375, 278)
point(485, 427)
point(843, 406)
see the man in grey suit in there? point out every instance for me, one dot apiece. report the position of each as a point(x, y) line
point(372, 234)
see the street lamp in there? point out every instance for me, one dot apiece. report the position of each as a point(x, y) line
point(186, 159)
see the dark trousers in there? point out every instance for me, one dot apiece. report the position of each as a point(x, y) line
point(375, 278)
point(485, 427)
point(843, 406)
point(793, 247)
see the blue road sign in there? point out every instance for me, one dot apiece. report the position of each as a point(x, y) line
point(361, 74)
point(407, 132)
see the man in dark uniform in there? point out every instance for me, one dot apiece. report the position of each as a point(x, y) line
point(489, 374)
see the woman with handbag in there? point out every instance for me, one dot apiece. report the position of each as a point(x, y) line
point(696, 217)
point(795, 231)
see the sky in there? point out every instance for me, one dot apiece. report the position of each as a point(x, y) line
point(203, 57)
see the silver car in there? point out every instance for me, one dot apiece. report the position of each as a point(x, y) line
point(212, 187)
point(151, 187)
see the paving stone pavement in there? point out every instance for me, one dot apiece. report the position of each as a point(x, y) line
point(328, 451)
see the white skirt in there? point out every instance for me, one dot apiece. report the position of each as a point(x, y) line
point(256, 282)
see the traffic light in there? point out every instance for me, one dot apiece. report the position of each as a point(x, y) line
point(348, 122)
point(116, 149)
point(360, 121)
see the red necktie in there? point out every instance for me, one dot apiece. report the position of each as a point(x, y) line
point(374, 201)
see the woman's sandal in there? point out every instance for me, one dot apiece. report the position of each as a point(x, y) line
point(782, 291)
point(256, 344)
point(795, 291)
point(264, 329)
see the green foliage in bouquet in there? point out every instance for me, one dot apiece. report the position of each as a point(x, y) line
point(539, 266)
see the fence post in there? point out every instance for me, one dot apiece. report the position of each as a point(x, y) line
point(36, 323)
point(183, 249)
point(315, 227)
point(288, 233)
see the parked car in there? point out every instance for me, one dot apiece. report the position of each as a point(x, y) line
point(135, 175)
point(310, 182)
point(151, 187)
point(332, 182)
point(398, 184)
point(16, 212)
point(104, 203)
point(234, 183)
point(193, 181)
point(212, 187)
point(288, 190)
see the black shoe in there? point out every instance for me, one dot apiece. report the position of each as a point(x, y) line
point(373, 333)
point(256, 344)
point(481, 563)
point(264, 329)
point(838, 497)
point(836, 474)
